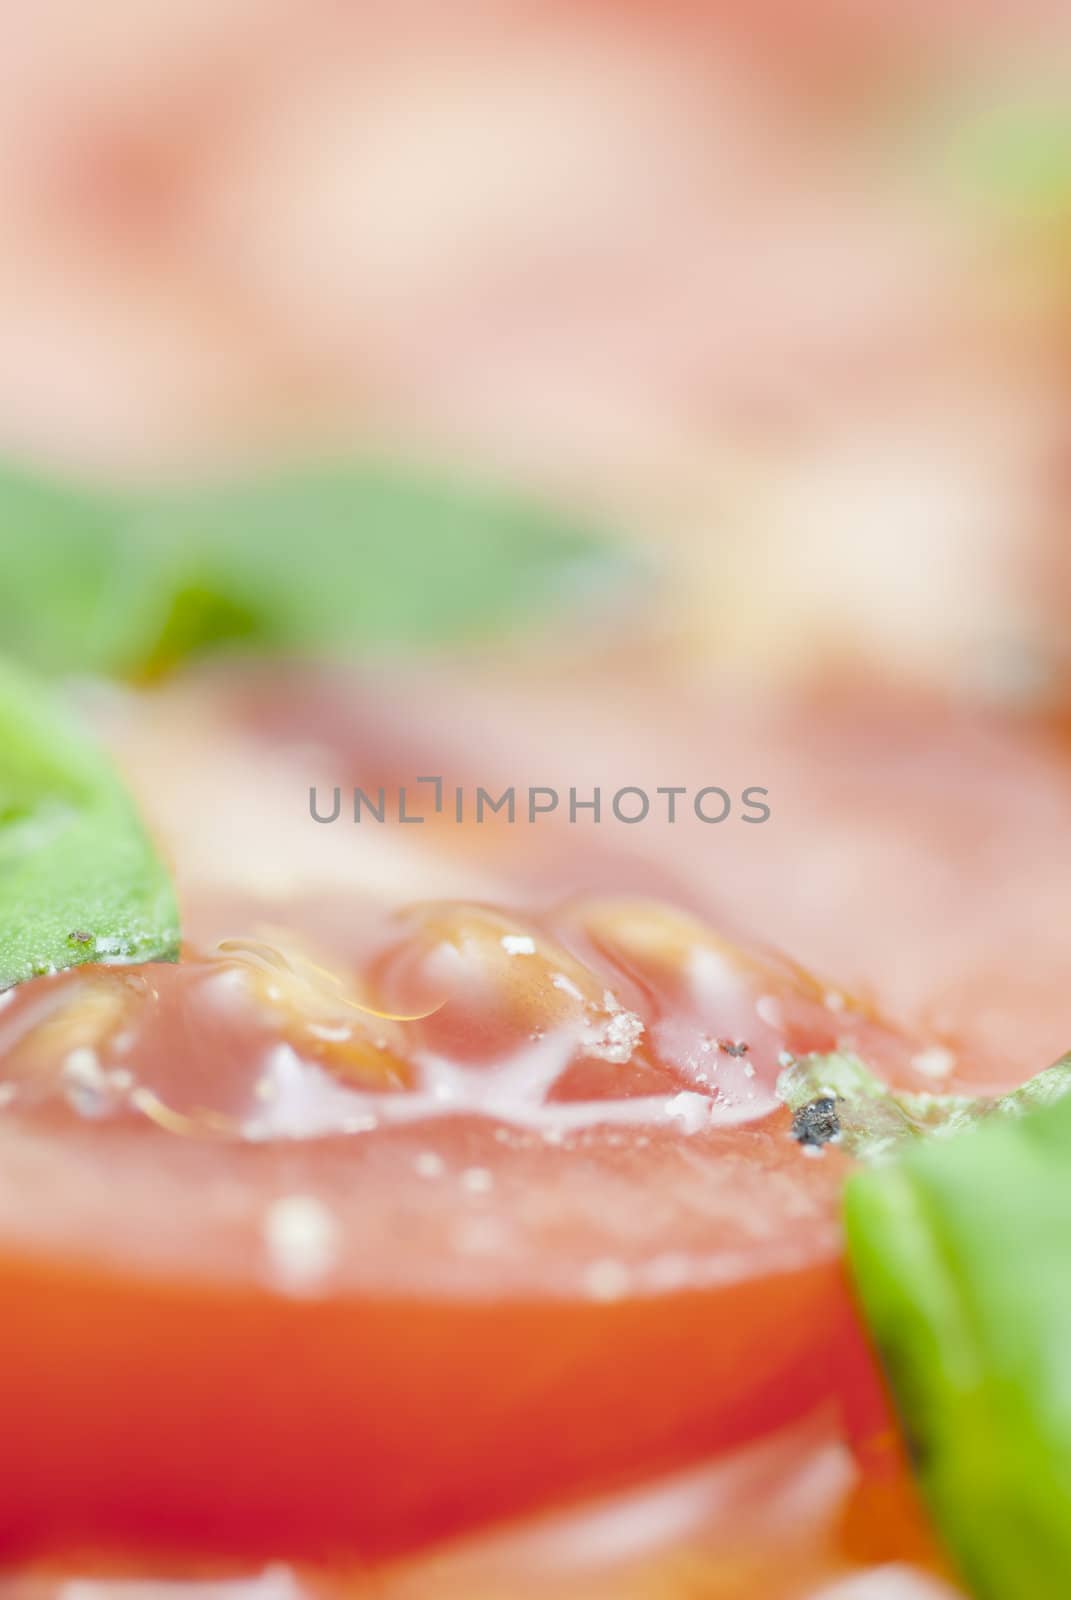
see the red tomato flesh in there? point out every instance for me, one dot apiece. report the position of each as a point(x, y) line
point(284, 1274)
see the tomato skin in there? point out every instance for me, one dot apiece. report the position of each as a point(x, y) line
point(239, 1421)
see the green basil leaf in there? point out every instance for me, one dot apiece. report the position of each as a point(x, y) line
point(304, 562)
point(79, 879)
point(873, 1121)
point(961, 1256)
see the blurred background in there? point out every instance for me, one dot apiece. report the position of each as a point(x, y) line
point(780, 289)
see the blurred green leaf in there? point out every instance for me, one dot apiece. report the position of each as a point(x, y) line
point(1012, 150)
point(79, 879)
point(961, 1255)
point(305, 562)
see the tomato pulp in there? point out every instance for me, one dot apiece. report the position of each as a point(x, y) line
point(315, 1257)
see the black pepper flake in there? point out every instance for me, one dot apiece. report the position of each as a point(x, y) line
point(79, 936)
point(733, 1047)
point(816, 1124)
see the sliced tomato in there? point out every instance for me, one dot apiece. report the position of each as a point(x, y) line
point(789, 1517)
point(307, 1260)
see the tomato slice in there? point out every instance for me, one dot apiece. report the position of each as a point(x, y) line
point(790, 1517)
point(915, 850)
point(307, 1259)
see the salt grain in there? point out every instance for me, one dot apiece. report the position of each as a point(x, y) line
point(302, 1241)
point(936, 1062)
point(606, 1281)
